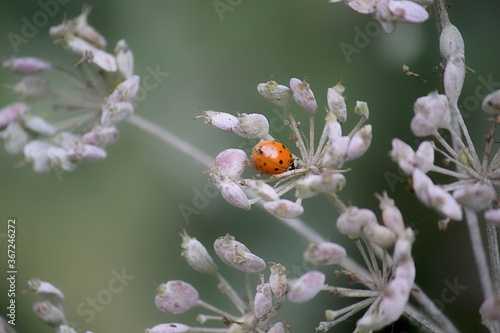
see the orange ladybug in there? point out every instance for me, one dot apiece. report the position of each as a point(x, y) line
point(271, 157)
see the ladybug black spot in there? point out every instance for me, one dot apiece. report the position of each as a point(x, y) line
point(281, 162)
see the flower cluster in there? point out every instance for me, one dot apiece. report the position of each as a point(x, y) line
point(389, 12)
point(104, 85)
point(316, 170)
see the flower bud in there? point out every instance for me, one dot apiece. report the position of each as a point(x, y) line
point(32, 87)
point(35, 153)
point(311, 185)
point(380, 235)
point(326, 253)
point(443, 202)
point(237, 255)
point(336, 153)
point(61, 158)
point(84, 30)
point(277, 328)
point(252, 126)
point(26, 65)
point(336, 102)
point(403, 155)
point(231, 163)
point(176, 297)
point(402, 249)
point(477, 196)
point(45, 290)
point(168, 328)
point(125, 91)
point(304, 96)
point(361, 108)
point(493, 215)
point(39, 125)
point(124, 59)
point(391, 216)
point(12, 112)
point(66, 140)
point(431, 112)
point(263, 302)
point(332, 127)
point(284, 208)
point(260, 188)
point(233, 194)
point(491, 103)
point(451, 43)
point(278, 282)
point(100, 136)
point(353, 220)
point(275, 93)
point(114, 113)
point(220, 120)
point(424, 156)
point(306, 287)
point(15, 138)
point(48, 313)
point(454, 76)
point(197, 256)
point(359, 143)
point(490, 309)
point(421, 186)
point(408, 11)
point(86, 153)
point(92, 54)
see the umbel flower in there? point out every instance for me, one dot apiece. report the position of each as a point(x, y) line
point(317, 168)
point(97, 95)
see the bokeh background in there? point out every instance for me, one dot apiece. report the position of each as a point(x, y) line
point(123, 213)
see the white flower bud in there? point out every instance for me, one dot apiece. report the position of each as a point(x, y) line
point(197, 256)
point(451, 43)
point(402, 249)
point(84, 30)
point(277, 328)
point(454, 76)
point(312, 184)
point(421, 186)
point(35, 153)
point(476, 197)
point(252, 126)
point(353, 220)
point(304, 96)
point(284, 208)
point(124, 59)
point(26, 65)
point(91, 53)
point(444, 203)
point(12, 112)
point(237, 255)
point(424, 156)
point(66, 140)
point(112, 114)
point(220, 120)
point(15, 138)
point(263, 190)
point(431, 112)
point(403, 155)
point(233, 194)
point(46, 290)
point(275, 93)
point(336, 153)
point(32, 87)
point(61, 158)
point(168, 328)
point(176, 297)
point(391, 216)
point(491, 103)
point(86, 153)
point(263, 302)
point(332, 127)
point(490, 309)
point(336, 102)
point(278, 281)
point(359, 143)
point(493, 215)
point(361, 108)
point(306, 287)
point(380, 235)
point(39, 125)
point(48, 313)
point(326, 253)
point(230, 163)
point(125, 91)
point(100, 136)
point(408, 11)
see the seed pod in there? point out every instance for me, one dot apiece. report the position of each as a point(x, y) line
point(231, 163)
point(278, 282)
point(260, 188)
point(306, 287)
point(304, 96)
point(168, 328)
point(252, 126)
point(336, 102)
point(14, 138)
point(48, 313)
point(233, 194)
point(176, 297)
point(263, 302)
point(353, 220)
point(284, 208)
point(275, 93)
point(197, 256)
point(424, 156)
point(112, 114)
point(237, 255)
point(27, 65)
point(124, 59)
point(359, 143)
point(125, 91)
point(326, 253)
point(12, 112)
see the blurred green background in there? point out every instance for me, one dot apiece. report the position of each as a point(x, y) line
point(122, 213)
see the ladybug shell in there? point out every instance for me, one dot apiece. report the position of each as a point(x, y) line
point(271, 157)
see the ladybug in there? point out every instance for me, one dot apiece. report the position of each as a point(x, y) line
point(271, 157)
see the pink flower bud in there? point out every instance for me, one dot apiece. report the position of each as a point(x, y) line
point(332, 127)
point(391, 216)
point(326, 253)
point(362, 7)
point(424, 157)
point(263, 302)
point(220, 120)
point(176, 297)
point(491, 103)
point(311, 185)
point(60, 157)
point(125, 91)
point(402, 249)
point(124, 59)
point(27, 65)
point(100, 136)
point(168, 328)
point(86, 153)
point(336, 102)
point(275, 93)
point(477, 196)
point(112, 114)
point(421, 186)
point(233, 194)
point(408, 11)
point(284, 208)
point(304, 96)
point(252, 126)
point(260, 188)
point(444, 203)
point(48, 313)
point(380, 235)
point(493, 215)
point(490, 309)
point(454, 76)
point(12, 112)
point(306, 287)
point(39, 125)
point(35, 153)
point(336, 153)
point(359, 143)
point(197, 256)
point(231, 163)
point(278, 281)
point(431, 112)
point(277, 328)
point(403, 155)
point(353, 220)
point(15, 138)
point(237, 255)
